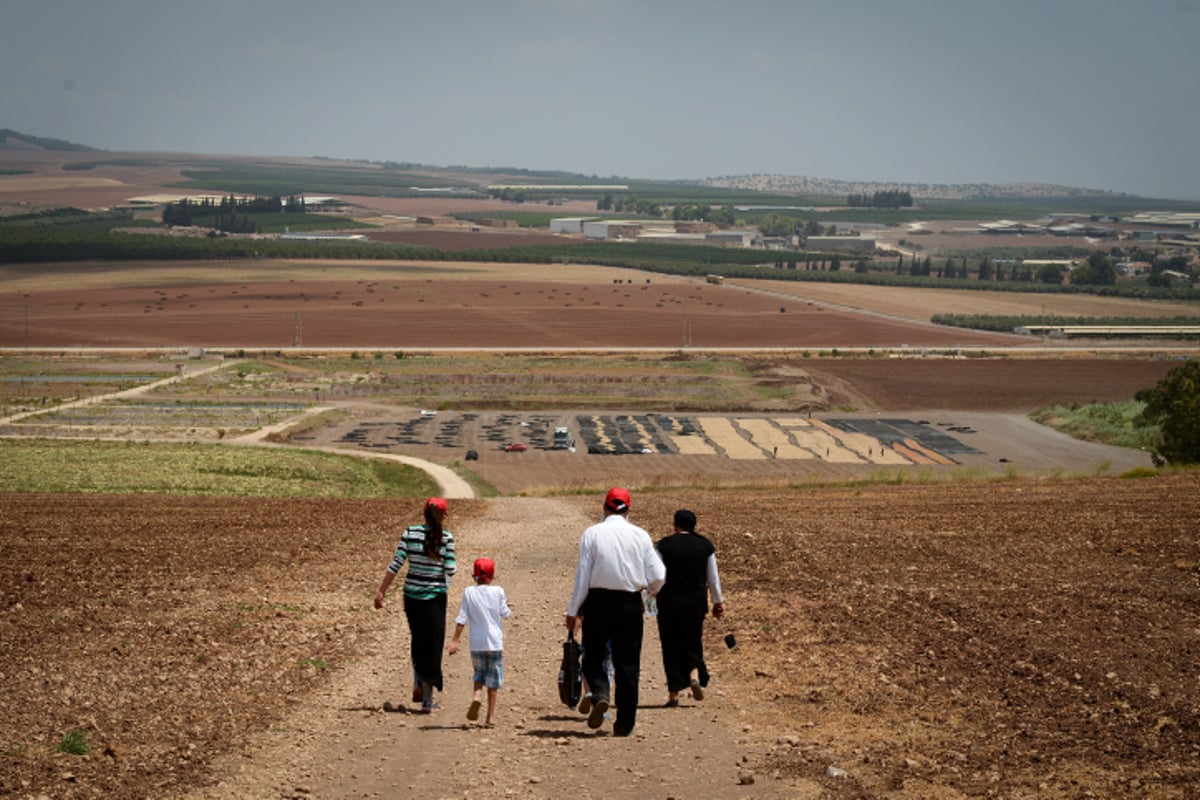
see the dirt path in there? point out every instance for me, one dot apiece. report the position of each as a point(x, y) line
point(343, 744)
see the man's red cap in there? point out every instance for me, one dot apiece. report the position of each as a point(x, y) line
point(485, 568)
point(617, 500)
point(438, 503)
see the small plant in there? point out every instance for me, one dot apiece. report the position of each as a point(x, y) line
point(315, 663)
point(75, 743)
point(1140, 472)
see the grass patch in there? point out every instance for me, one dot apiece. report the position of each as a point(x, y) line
point(1140, 472)
point(45, 465)
point(74, 743)
point(1106, 423)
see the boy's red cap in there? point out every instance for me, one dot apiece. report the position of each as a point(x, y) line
point(437, 502)
point(617, 500)
point(485, 567)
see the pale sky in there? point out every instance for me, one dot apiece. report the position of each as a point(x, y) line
point(1101, 94)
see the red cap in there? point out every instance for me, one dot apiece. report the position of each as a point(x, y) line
point(437, 502)
point(485, 568)
point(617, 500)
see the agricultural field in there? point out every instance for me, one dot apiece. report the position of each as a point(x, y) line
point(922, 304)
point(1015, 639)
point(932, 595)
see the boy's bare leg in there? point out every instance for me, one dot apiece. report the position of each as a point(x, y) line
point(491, 712)
point(473, 711)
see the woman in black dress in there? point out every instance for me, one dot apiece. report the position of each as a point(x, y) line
point(691, 561)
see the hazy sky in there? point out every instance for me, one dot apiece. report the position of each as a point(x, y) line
point(1100, 94)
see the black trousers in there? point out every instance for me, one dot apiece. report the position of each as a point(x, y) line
point(616, 617)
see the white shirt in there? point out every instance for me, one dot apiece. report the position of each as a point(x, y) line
point(483, 606)
point(616, 554)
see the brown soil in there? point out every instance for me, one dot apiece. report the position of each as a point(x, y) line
point(891, 642)
point(383, 312)
point(994, 384)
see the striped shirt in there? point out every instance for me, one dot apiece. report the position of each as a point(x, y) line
point(427, 576)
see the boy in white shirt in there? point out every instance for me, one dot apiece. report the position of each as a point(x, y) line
point(483, 607)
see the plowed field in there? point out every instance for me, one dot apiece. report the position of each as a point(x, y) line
point(1017, 639)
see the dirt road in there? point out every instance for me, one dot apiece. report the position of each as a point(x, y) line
point(342, 744)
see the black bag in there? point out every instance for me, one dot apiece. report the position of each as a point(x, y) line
point(570, 674)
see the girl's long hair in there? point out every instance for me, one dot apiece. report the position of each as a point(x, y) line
point(433, 530)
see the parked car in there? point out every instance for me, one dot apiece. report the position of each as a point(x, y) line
point(472, 455)
point(515, 447)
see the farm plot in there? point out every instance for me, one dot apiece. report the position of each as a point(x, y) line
point(866, 447)
point(621, 435)
point(769, 436)
point(839, 441)
point(156, 418)
point(916, 442)
point(32, 385)
point(730, 440)
point(684, 435)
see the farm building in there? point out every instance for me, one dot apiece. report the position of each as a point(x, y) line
point(611, 229)
point(568, 224)
point(731, 238)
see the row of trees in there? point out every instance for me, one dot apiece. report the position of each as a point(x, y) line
point(628, 204)
point(893, 198)
point(985, 270)
point(230, 214)
point(723, 216)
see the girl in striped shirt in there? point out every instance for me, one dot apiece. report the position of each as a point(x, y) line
point(429, 551)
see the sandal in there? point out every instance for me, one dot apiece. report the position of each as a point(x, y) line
point(697, 691)
point(473, 711)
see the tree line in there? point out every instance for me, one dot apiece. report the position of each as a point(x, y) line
point(892, 198)
point(230, 215)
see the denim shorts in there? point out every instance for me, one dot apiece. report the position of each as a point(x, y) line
point(489, 667)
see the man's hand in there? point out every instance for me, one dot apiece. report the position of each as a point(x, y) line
point(718, 610)
point(571, 622)
point(379, 600)
point(452, 648)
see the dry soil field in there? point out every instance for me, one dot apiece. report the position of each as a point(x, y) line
point(1027, 638)
point(52, 308)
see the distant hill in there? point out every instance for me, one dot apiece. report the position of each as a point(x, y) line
point(11, 140)
point(801, 184)
point(15, 140)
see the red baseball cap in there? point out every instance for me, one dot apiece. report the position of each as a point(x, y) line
point(437, 502)
point(485, 567)
point(617, 500)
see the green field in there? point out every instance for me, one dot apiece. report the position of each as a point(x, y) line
point(40, 465)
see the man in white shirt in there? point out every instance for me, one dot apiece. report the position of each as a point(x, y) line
point(617, 560)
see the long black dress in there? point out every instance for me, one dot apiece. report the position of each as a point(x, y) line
point(682, 607)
